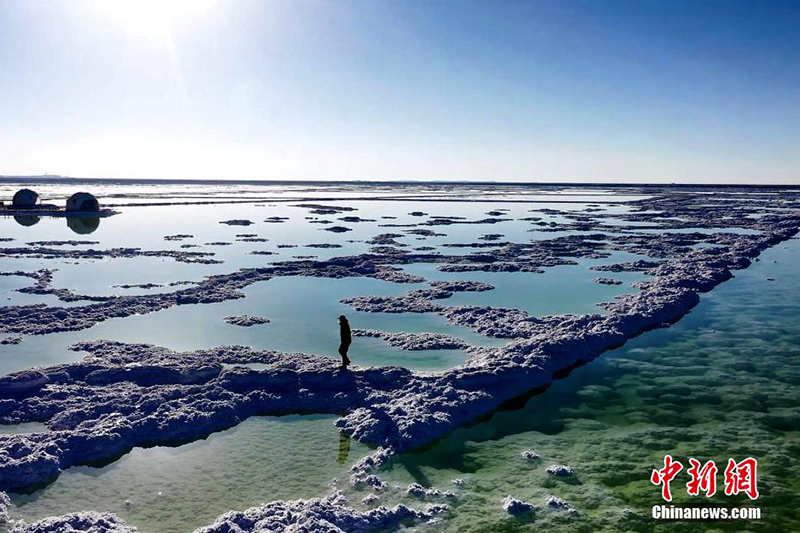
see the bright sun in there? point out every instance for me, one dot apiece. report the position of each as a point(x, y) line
point(152, 18)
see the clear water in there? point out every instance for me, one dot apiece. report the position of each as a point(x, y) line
point(175, 490)
point(721, 383)
point(145, 228)
point(302, 311)
point(27, 427)
point(303, 318)
point(559, 290)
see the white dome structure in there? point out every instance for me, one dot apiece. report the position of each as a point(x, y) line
point(82, 201)
point(25, 198)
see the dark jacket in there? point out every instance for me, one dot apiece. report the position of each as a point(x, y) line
point(344, 332)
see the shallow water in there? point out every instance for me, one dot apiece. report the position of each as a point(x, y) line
point(559, 290)
point(26, 427)
point(10, 296)
point(146, 228)
point(720, 383)
point(302, 311)
point(174, 490)
point(303, 318)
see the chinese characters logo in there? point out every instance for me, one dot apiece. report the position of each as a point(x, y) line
point(738, 477)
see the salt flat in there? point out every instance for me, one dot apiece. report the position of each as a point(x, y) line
point(126, 325)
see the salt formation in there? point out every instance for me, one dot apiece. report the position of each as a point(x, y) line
point(356, 219)
point(394, 407)
point(560, 470)
point(557, 503)
point(418, 491)
point(337, 229)
point(515, 507)
point(246, 320)
point(530, 455)
point(331, 514)
point(607, 281)
point(177, 237)
point(414, 341)
point(323, 245)
point(88, 521)
point(326, 209)
point(62, 243)
point(138, 286)
point(42, 252)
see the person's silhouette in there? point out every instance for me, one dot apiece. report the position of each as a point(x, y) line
point(346, 340)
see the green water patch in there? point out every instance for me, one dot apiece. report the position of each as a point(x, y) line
point(721, 383)
point(175, 490)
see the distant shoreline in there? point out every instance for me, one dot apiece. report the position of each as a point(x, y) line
point(594, 185)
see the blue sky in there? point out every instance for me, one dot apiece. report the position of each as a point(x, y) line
point(599, 91)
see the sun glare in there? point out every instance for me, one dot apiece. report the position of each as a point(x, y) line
point(151, 18)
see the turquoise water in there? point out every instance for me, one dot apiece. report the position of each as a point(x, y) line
point(175, 490)
point(302, 311)
point(722, 382)
point(559, 290)
point(303, 318)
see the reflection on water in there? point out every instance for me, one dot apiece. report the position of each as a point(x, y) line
point(27, 220)
point(79, 225)
point(83, 225)
point(344, 448)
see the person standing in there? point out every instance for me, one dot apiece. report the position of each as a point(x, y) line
point(346, 340)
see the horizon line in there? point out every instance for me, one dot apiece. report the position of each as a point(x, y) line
point(199, 181)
